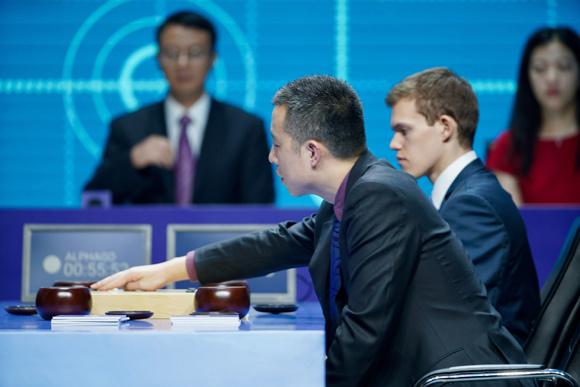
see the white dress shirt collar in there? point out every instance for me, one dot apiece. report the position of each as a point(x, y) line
point(446, 178)
point(198, 114)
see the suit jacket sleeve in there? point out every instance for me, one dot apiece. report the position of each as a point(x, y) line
point(384, 246)
point(116, 172)
point(288, 245)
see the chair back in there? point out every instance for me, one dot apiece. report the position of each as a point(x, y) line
point(571, 361)
point(555, 326)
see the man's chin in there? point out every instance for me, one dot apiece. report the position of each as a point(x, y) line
point(293, 192)
point(298, 194)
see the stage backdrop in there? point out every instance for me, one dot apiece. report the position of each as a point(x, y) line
point(68, 66)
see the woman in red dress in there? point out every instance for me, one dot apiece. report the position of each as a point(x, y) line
point(537, 160)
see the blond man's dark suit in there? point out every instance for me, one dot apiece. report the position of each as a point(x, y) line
point(492, 230)
point(410, 301)
point(232, 167)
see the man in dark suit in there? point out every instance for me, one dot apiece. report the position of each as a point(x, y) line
point(223, 148)
point(398, 292)
point(434, 117)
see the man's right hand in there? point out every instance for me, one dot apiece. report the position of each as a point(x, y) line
point(155, 150)
point(146, 277)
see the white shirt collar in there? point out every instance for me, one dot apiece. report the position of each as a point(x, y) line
point(447, 177)
point(198, 113)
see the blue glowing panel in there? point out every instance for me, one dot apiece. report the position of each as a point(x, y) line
point(54, 253)
point(69, 66)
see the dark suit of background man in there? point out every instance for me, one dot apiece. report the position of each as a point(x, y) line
point(434, 117)
point(398, 292)
point(229, 145)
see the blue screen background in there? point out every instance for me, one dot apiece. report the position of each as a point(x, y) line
point(68, 66)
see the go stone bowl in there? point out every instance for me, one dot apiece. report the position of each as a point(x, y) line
point(223, 297)
point(56, 300)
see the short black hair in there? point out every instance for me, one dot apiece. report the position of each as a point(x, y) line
point(189, 19)
point(325, 109)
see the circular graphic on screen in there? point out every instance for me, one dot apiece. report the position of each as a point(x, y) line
point(110, 66)
point(51, 264)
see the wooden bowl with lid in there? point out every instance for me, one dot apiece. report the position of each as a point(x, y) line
point(57, 300)
point(231, 296)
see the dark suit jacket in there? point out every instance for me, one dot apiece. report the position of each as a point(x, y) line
point(410, 301)
point(493, 232)
point(232, 167)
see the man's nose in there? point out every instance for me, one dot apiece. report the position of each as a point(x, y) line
point(395, 144)
point(182, 59)
point(272, 156)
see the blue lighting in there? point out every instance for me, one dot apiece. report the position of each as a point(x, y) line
point(69, 66)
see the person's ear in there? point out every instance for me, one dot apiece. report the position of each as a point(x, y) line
point(314, 153)
point(159, 62)
point(212, 58)
point(448, 127)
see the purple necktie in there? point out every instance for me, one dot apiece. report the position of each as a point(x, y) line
point(184, 167)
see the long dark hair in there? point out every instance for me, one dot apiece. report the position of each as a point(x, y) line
point(526, 114)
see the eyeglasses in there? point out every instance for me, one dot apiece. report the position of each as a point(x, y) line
point(193, 54)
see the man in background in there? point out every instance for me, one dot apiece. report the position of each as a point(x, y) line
point(188, 148)
point(434, 117)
